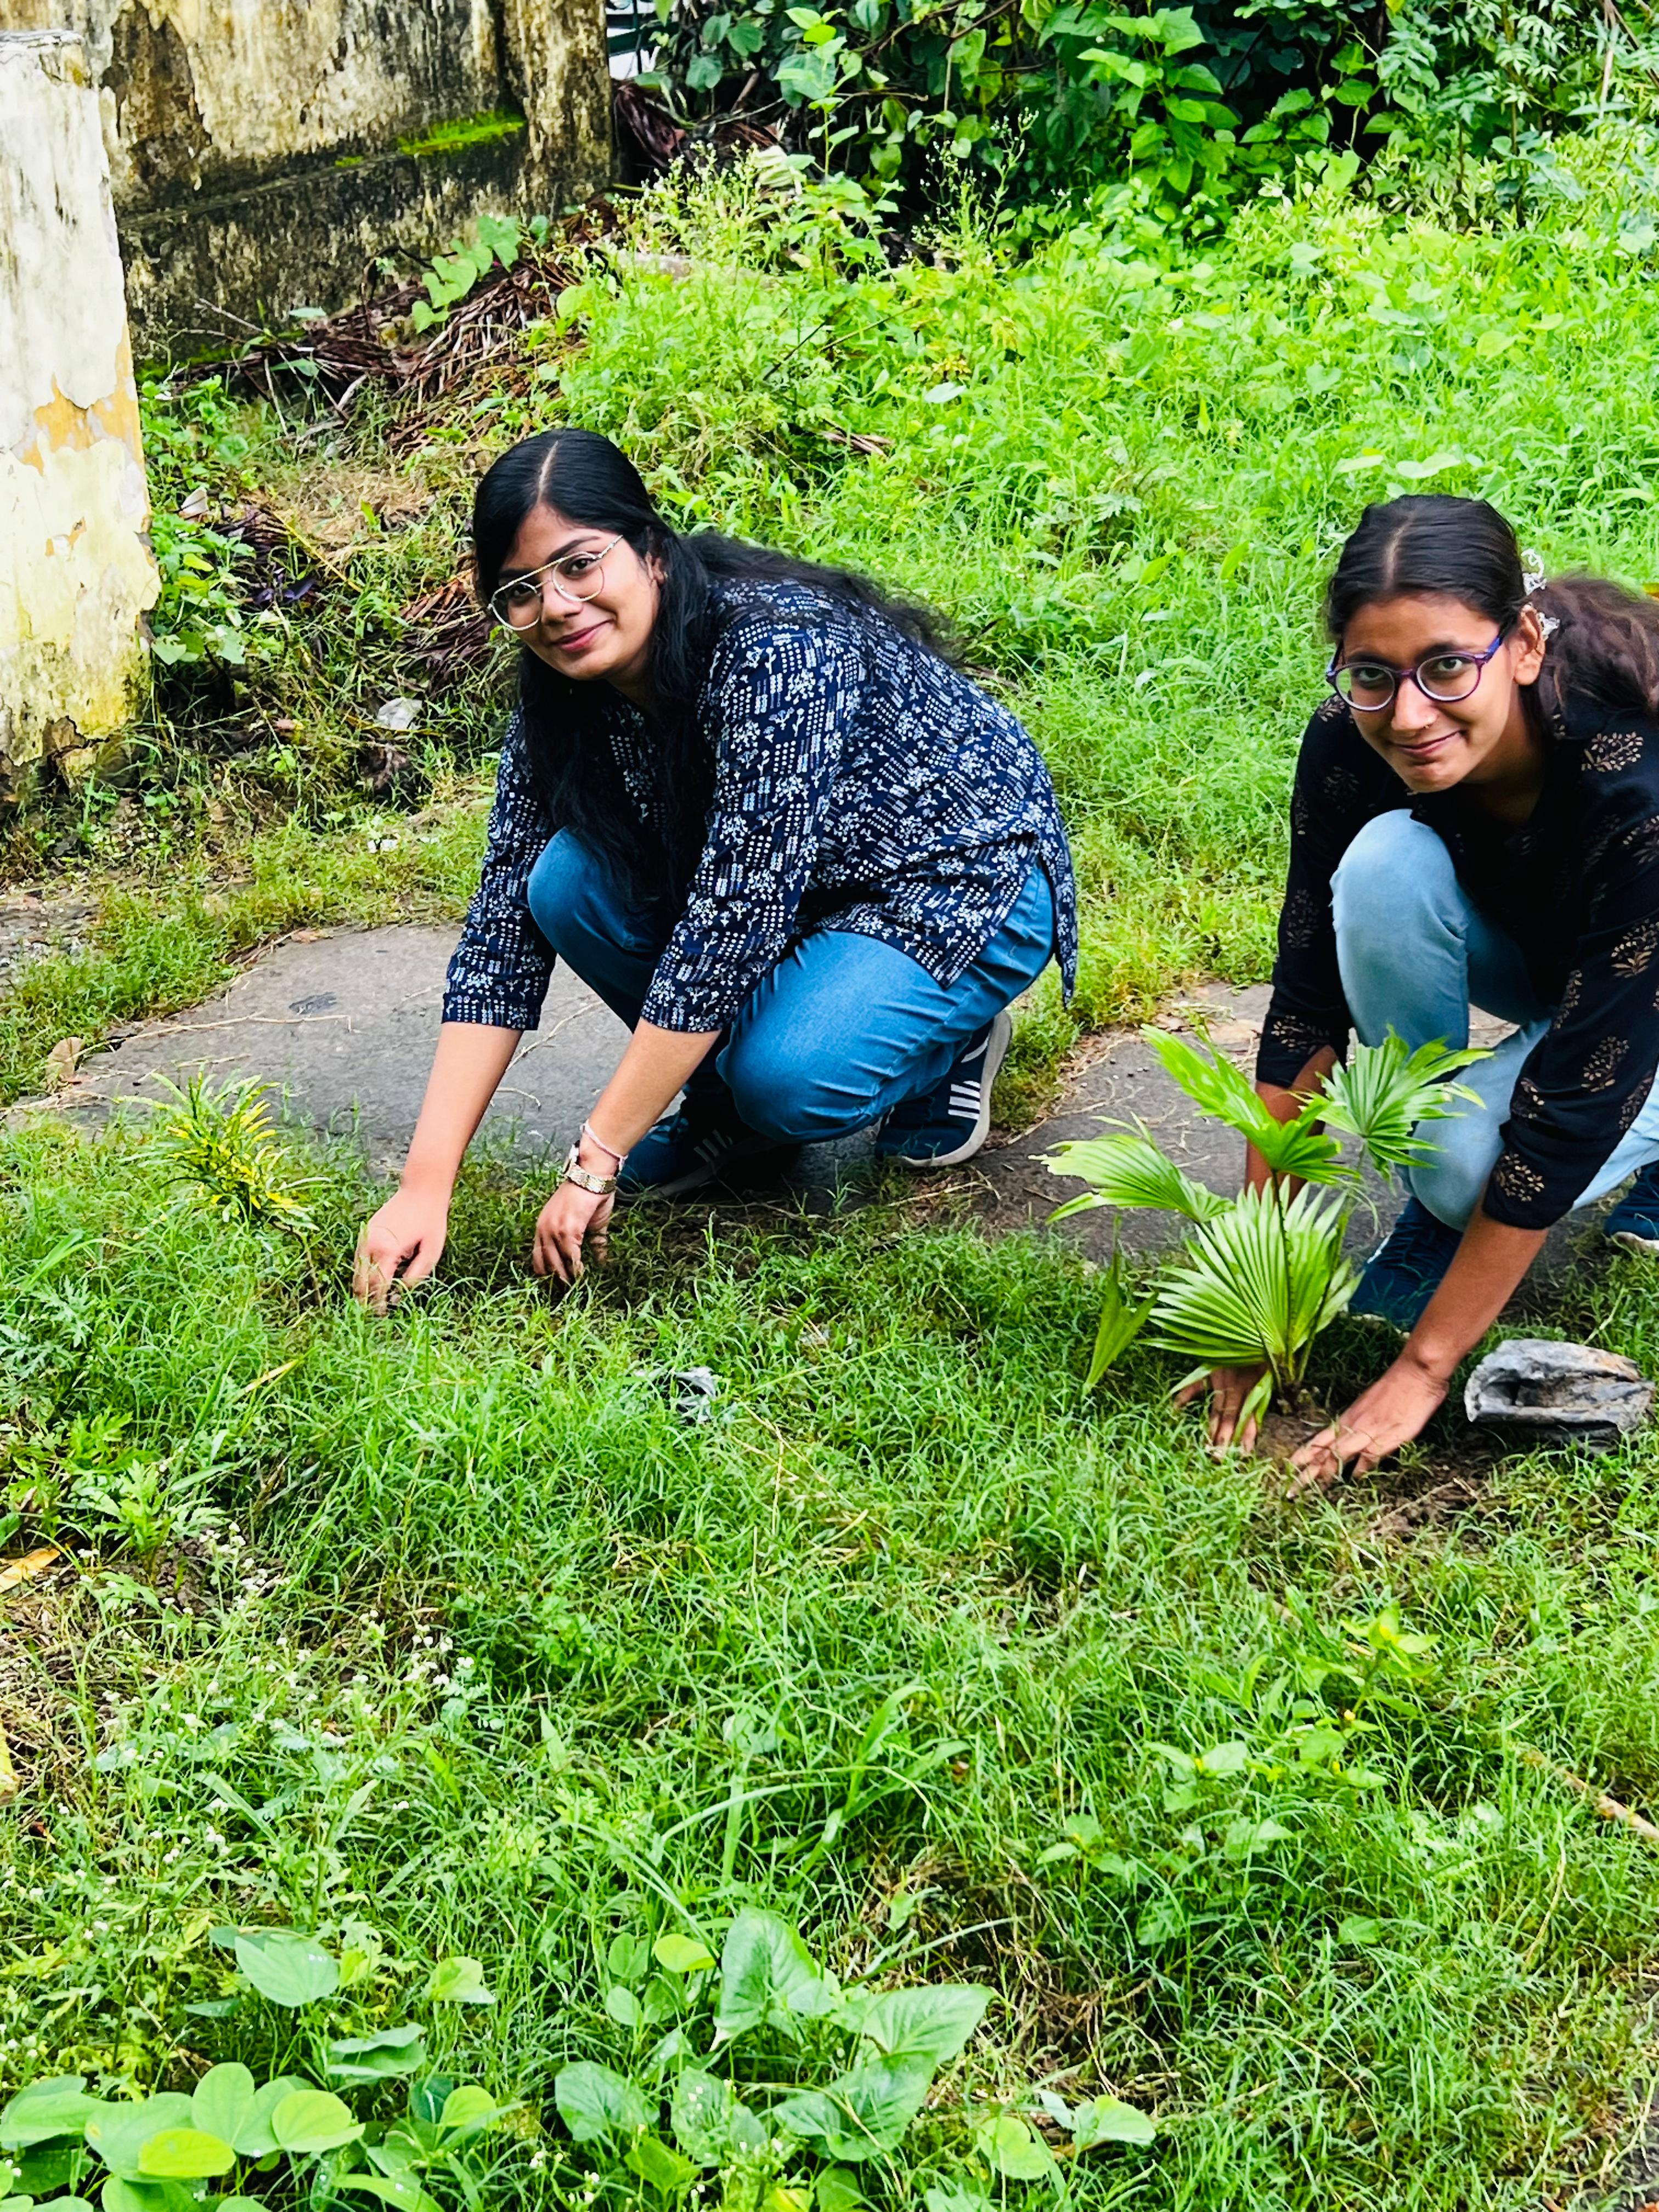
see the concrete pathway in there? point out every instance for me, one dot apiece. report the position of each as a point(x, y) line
point(342, 1023)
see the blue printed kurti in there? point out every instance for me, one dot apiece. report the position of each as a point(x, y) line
point(860, 783)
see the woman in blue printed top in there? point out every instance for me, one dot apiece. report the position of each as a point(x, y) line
point(751, 804)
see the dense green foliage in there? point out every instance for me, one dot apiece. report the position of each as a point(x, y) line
point(446, 1638)
point(1172, 112)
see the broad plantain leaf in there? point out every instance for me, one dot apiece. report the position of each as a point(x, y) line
point(458, 1981)
point(119, 2132)
point(184, 2154)
point(253, 2138)
point(1105, 2119)
point(919, 2023)
point(768, 1978)
point(291, 1970)
point(592, 2102)
point(223, 2102)
point(866, 2113)
point(47, 2109)
point(312, 2120)
point(382, 2057)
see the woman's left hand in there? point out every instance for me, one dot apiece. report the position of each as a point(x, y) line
point(571, 1215)
point(1397, 1407)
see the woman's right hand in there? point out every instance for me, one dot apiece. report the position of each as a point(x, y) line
point(399, 1245)
point(1228, 1389)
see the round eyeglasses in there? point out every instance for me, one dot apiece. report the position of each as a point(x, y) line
point(517, 604)
point(1443, 676)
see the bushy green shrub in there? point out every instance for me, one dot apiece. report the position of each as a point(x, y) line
point(1180, 108)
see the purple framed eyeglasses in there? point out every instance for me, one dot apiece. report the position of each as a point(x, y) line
point(1443, 676)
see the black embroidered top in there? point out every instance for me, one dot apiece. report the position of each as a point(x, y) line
point(860, 783)
point(1577, 888)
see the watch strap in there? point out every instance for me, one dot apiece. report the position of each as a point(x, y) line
point(584, 1179)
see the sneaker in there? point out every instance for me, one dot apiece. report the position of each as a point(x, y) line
point(687, 1149)
point(1634, 1222)
point(1406, 1269)
point(948, 1123)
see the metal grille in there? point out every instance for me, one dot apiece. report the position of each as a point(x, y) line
point(630, 28)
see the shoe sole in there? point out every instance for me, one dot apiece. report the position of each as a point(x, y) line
point(996, 1051)
point(1628, 1240)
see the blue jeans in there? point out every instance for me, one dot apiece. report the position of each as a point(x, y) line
point(1416, 954)
point(843, 1028)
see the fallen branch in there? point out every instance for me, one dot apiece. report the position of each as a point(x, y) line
point(1609, 1808)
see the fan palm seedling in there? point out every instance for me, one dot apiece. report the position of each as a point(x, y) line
point(1258, 1276)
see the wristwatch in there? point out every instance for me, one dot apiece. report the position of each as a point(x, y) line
point(584, 1179)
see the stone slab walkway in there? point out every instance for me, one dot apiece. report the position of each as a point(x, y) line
point(342, 1023)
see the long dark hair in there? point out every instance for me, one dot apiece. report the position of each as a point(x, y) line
point(594, 482)
point(1604, 644)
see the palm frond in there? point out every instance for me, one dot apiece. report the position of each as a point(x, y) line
point(1122, 1321)
point(1384, 1093)
point(1297, 1148)
point(1256, 1284)
point(1125, 1168)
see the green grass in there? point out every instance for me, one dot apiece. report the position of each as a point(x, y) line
point(451, 1627)
point(674, 1637)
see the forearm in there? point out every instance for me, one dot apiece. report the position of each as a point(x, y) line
point(1486, 1271)
point(1285, 1105)
point(655, 1066)
point(467, 1067)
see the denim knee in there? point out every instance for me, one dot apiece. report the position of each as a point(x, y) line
point(1396, 870)
point(575, 902)
point(1452, 1181)
point(793, 1097)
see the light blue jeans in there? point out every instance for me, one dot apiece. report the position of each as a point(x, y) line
point(1416, 954)
point(843, 1028)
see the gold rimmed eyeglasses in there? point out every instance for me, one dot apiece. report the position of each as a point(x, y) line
point(517, 603)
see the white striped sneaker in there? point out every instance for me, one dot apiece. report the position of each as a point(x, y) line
point(950, 1122)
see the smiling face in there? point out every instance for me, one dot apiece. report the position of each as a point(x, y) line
point(607, 636)
point(1429, 744)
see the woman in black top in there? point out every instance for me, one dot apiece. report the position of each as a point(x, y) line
point(1476, 823)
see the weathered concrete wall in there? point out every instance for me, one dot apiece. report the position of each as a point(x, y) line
point(76, 576)
point(263, 152)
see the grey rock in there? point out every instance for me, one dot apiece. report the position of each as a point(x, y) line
point(692, 1391)
point(1541, 1393)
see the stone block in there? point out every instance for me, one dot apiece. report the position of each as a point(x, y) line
point(76, 573)
point(1539, 1393)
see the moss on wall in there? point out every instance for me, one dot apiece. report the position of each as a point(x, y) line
point(224, 121)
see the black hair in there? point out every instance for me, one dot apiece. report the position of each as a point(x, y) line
point(594, 482)
point(1604, 644)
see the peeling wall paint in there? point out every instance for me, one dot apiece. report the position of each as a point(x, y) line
point(76, 575)
point(215, 111)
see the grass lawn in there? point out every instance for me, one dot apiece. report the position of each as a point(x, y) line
point(449, 1636)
